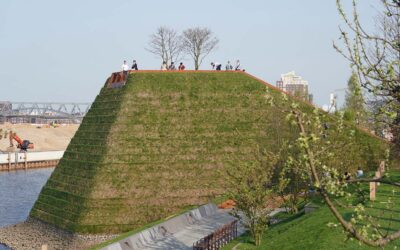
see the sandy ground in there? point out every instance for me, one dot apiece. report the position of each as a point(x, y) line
point(44, 137)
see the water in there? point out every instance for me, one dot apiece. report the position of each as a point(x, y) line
point(18, 192)
point(3, 247)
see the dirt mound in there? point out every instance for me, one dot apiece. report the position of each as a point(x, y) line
point(44, 137)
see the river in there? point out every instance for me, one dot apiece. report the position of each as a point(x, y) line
point(18, 192)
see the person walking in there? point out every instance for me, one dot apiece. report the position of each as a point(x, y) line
point(228, 66)
point(172, 66)
point(164, 66)
point(181, 66)
point(134, 65)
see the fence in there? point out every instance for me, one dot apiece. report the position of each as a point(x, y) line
point(219, 238)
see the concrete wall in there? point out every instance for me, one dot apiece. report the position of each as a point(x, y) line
point(15, 157)
point(164, 229)
point(28, 160)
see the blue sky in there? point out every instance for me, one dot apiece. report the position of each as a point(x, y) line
point(64, 50)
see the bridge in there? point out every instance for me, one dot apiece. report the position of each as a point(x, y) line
point(43, 112)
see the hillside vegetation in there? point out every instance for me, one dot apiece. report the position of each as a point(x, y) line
point(160, 144)
point(311, 231)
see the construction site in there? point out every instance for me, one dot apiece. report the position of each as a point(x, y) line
point(35, 135)
point(37, 127)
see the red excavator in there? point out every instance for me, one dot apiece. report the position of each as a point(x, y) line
point(24, 145)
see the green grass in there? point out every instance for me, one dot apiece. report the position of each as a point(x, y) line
point(161, 143)
point(310, 231)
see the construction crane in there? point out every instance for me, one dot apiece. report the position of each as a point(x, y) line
point(23, 145)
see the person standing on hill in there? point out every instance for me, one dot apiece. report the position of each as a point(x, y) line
point(164, 66)
point(134, 65)
point(172, 66)
point(181, 66)
point(125, 69)
point(228, 66)
point(218, 66)
point(237, 66)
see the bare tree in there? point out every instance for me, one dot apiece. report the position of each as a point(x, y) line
point(376, 57)
point(166, 43)
point(198, 43)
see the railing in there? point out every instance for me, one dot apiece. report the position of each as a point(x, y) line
point(219, 238)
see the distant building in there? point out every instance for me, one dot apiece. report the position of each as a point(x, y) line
point(332, 106)
point(311, 98)
point(294, 85)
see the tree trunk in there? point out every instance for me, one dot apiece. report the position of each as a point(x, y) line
point(395, 129)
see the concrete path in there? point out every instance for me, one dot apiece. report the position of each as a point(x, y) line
point(185, 238)
point(179, 232)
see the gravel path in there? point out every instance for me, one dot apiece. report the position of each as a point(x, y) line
point(32, 234)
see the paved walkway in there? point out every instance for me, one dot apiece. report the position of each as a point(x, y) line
point(185, 238)
point(180, 232)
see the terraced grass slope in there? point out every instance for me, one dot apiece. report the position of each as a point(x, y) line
point(158, 145)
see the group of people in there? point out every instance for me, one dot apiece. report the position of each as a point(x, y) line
point(228, 66)
point(165, 66)
point(125, 66)
point(359, 174)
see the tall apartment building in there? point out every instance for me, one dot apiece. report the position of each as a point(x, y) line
point(294, 85)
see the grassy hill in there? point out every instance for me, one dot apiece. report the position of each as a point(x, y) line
point(160, 144)
point(310, 231)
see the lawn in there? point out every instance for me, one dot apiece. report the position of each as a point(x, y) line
point(310, 231)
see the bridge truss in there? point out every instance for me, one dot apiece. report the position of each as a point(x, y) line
point(43, 112)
